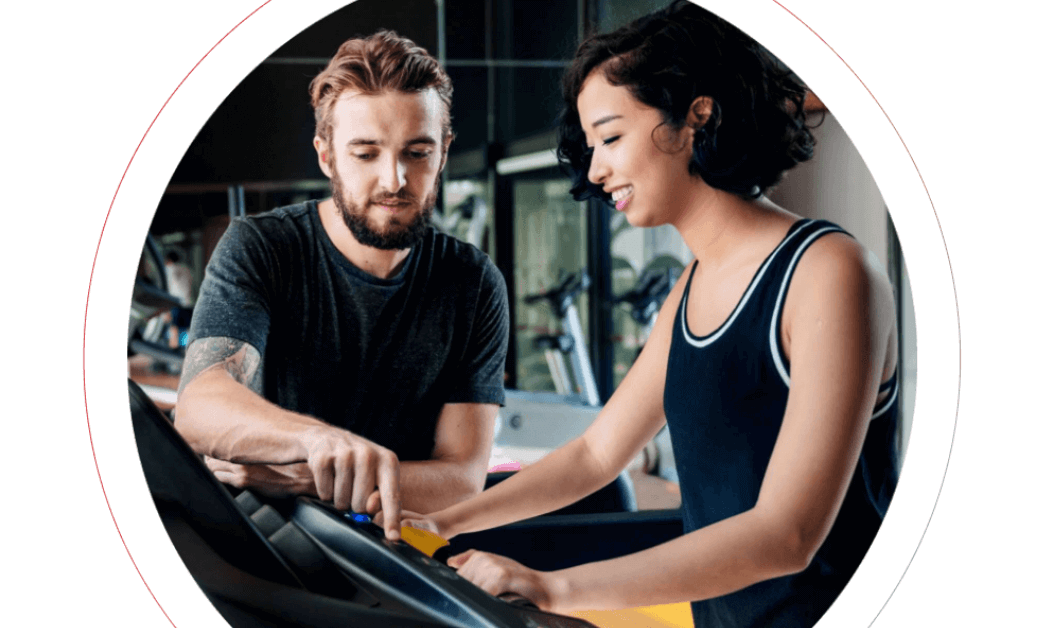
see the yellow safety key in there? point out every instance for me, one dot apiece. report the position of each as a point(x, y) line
point(422, 540)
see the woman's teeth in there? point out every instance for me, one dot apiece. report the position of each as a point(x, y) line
point(622, 196)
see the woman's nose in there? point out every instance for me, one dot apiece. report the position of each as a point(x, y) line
point(597, 169)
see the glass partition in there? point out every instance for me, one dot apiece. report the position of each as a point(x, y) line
point(550, 241)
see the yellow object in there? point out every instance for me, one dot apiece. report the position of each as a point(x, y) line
point(660, 616)
point(422, 540)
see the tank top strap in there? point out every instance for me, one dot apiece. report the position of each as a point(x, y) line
point(685, 291)
point(780, 281)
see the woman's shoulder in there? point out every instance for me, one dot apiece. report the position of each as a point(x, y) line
point(835, 254)
point(836, 270)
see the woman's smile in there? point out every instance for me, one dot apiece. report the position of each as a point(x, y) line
point(622, 196)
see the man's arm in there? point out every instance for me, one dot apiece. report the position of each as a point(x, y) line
point(221, 414)
point(456, 471)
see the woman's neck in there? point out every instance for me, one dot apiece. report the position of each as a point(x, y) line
point(715, 224)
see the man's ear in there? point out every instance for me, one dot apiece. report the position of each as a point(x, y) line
point(323, 154)
point(446, 149)
point(699, 111)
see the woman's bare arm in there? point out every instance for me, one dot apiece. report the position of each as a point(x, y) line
point(840, 322)
point(631, 417)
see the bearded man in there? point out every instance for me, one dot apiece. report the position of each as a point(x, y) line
point(344, 348)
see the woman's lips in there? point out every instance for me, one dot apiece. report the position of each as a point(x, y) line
point(622, 196)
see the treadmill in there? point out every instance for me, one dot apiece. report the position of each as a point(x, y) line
point(300, 562)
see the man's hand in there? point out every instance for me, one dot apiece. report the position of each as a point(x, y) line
point(346, 468)
point(276, 480)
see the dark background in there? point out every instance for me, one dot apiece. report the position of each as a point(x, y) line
point(505, 58)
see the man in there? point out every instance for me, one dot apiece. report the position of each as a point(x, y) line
point(344, 345)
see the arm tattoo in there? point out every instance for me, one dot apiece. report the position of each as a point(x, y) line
point(241, 360)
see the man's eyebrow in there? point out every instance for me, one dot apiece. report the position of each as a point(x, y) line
point(360, 141)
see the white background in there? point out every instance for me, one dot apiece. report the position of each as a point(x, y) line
point(84, 80)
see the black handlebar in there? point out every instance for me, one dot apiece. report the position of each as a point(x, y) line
point(562, 295)
point(648, 293)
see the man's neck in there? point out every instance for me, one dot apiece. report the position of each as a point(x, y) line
point(377, 262)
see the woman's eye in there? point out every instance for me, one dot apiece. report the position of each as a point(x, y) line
point(610, 140)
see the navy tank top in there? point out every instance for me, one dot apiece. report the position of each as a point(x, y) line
point(724, 399)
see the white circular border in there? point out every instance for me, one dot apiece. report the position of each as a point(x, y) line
point(276, 22)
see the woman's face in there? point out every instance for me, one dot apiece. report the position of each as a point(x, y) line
point(649, 183)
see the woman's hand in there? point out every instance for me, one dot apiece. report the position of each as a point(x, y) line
point(409, 518)
point(430, 522)
point(498, 575)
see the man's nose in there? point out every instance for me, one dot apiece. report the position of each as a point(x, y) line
point(393, 174)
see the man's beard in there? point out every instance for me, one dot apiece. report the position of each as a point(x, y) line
point(398, 235)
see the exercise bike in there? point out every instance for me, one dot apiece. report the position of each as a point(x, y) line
point(534, 423)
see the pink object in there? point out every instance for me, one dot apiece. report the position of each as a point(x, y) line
point(505, 466)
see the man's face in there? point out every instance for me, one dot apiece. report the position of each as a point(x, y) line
point(384, 158)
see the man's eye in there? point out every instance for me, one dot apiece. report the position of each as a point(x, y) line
point(420, 155)
point(363, 156)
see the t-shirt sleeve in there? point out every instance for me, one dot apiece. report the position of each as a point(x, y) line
point(482, 373)
point(236, 292)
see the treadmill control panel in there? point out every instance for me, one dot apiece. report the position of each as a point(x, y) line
point(396, 569)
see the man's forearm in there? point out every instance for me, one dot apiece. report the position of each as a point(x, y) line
point(223, 419)
point(430, 485)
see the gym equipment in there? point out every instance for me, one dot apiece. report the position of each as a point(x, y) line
point(300, 562)
point(545, 420)
point(467, 220)
point(150, 299)
point(562, 298)
point(649, 292)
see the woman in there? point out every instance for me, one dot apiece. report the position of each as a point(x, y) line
point(768, 362)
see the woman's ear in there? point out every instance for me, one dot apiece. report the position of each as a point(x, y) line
point(699, 112)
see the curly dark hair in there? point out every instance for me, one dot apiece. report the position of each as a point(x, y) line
point(757, 128)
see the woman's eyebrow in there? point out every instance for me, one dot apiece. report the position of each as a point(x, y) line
point(605, 119)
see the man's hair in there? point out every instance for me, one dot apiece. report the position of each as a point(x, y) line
point(372, 65)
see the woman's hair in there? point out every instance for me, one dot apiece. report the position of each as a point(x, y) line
point(382, 62)
point(757, 128)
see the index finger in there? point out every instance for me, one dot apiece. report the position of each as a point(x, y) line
point(388, 486)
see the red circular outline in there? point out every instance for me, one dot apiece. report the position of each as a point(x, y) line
point(251, 14)
point(954, 286)
point(91, 280)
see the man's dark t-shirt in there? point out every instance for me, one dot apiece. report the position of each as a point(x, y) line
point(378, 357)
